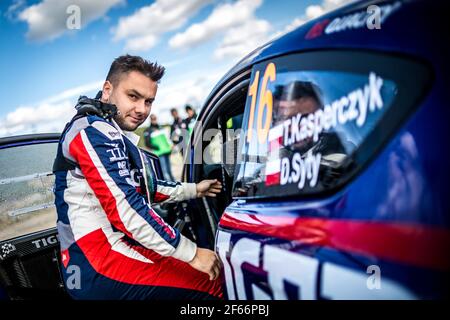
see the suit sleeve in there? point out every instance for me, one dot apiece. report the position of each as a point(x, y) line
point(101, 155)
point(168, 191)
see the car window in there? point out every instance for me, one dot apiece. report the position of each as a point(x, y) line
point(232, 145)
point(219, 147)
point(213, 151)
point(26, 189)
point(307, 128)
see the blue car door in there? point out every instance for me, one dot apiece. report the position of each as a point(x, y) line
point(335, 193)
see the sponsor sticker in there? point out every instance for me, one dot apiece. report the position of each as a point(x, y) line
point(356, 20)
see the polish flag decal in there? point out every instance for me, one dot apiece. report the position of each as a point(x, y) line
point(273, 166)
point(275, 139)
point(273, 172)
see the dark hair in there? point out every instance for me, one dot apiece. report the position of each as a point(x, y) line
point(298, 89)
point(188, 107)
point(173, 110)
point(127, 63)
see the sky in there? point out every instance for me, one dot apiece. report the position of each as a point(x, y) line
point(48, 58)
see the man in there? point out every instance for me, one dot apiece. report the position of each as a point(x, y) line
point(178, 132)
point(113, 244)
point(190, 120)
point(155, 139)
point(176, 127)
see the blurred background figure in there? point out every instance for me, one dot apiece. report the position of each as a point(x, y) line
point(181, 130)
point(191, 118)
point(157, 141)
point(175, 127)
point(176, 131)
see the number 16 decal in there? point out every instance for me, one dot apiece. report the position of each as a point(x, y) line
point(265, 103)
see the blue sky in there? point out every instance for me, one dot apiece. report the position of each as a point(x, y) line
point(45, 66)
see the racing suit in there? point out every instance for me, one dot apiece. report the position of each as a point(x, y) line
point(113, 244)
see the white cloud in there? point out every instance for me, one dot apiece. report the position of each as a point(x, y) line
point(48, 19)
point(311, 12)
point(243, 39)
point(242, 30)
point(49, 115)
point(192, 88)
point(75, 92)
point(42, 113)
point(52, 113)
point(141, 43)
point(222, 18)
point(289, 27)
point(14, 9)
point(143, 28)
point(326, 6)
point(314, 11)
point(294, 24)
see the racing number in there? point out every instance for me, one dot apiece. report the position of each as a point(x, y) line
point(252, 93)
point(265, 102)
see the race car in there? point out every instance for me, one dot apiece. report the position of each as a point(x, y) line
point(330, 143)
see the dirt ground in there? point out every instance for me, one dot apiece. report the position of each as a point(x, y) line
point(27, 223)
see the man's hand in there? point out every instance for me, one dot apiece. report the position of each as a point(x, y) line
point(206, 261)
point(208, 188)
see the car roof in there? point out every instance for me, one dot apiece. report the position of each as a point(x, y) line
point(28, 139)
point(406, 30)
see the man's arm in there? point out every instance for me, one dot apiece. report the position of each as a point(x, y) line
point(168, 191)
point(100, 153)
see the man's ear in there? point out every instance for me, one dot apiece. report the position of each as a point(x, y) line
point(107, 91)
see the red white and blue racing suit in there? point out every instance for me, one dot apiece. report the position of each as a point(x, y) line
point(113, 244)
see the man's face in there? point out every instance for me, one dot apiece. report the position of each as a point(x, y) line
point(153, 119)
point(133, 95)
point(175, 114)
point(190, 113)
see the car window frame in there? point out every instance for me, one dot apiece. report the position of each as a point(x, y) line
point(210, 113)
